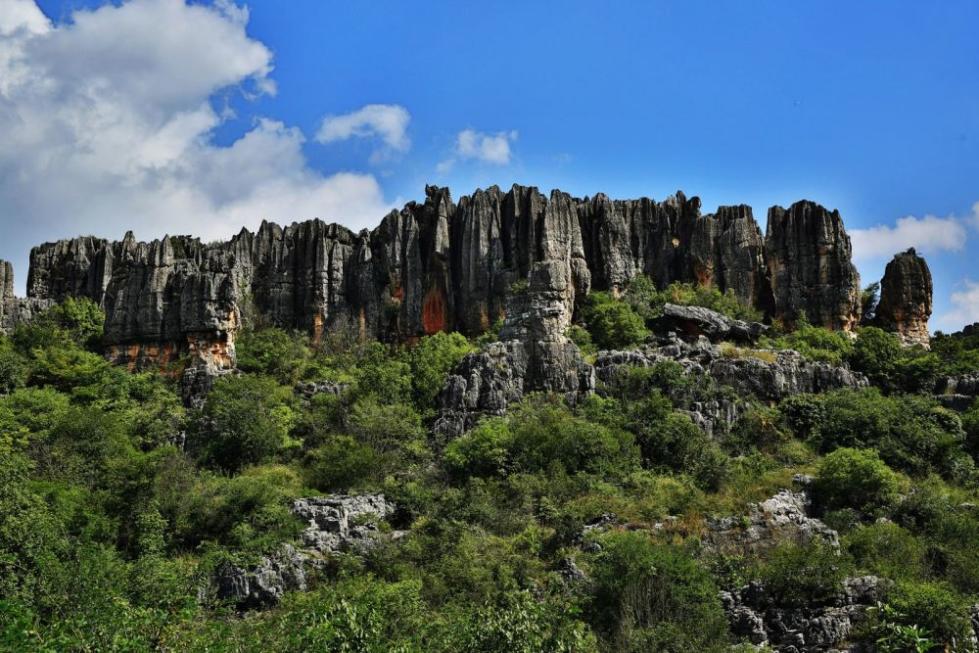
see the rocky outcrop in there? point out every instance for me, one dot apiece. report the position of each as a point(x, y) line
point(905, 298)
point(15, 310)
point(808, 255)
point(766, 375)
point(438, 265)
point(757, 616)
point(780, 519)
point(341, 522)
point(693, 321)
point(533, 354)
point(335, 524)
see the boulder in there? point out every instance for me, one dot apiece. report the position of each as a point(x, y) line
point(696, 321)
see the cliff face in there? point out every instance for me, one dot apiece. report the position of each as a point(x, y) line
point(905, 298)
point(438, 265)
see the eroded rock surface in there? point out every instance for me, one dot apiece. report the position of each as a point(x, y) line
point(437, 265)
point(758, 616)
point(767, 375)
point(906, 298)
point(335, 524)
point(809, 259)
point(16, 310)
point(783, 518)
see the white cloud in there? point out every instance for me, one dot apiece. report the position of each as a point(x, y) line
point(106, 124)
point(975, 215)
point(487, 148)
point(389, 122)
point(929, 234)
point(965, 308)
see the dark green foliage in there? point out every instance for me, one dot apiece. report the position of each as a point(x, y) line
point(886, 549)
point(245, 420)
point(855, 478)
point(933, 607)
point(274, 352)
point(799, 575)
point(431, 361)
point(890, 366)
point(958, 352)
point(814, 342)
point(108, 528)
point(911, 434)
point(655, 597)
point(643, 296)
point(613, 324)
point(340, 463)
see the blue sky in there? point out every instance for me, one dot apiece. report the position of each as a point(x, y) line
point(871, 109)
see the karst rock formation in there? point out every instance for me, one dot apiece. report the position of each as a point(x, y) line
point(905, 298)
point(440, 265)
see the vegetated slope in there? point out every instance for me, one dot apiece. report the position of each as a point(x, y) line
point(701, 491)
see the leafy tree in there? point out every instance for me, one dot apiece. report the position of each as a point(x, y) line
point(341, 463)
point(431, 361)
point(654, 597)
point(799, 575)
point(613, 324)
point(275, 352)
point(245, 420)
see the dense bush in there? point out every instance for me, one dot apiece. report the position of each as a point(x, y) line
point(655, 597)
point(799, 575)
point(911, 434)
point(110, 522)
point(855, 478)
point(245, 420)
point(613, 323)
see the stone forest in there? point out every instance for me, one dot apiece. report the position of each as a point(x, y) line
point(515, 421)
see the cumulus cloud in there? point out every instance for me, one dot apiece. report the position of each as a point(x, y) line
point(106, 124)
point(975, 215)
point(387, 122)
point(964, 307)
point(929, 234)
point(487, 148)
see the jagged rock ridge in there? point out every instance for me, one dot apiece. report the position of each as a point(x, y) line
point(438, 265)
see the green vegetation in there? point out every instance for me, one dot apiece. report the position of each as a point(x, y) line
point(117, 503)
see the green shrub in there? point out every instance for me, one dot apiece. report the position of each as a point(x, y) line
point(796, 576)
point(886, 549)
point(245, 420)
point(340, 463)
point(814, 342)
point(911, 433)
point(855, 478)
point(676, 443)
point(483, 451)
point(654, 597)
point(431, 361)
point(934, 607)
point(613, 324)
point(274, 352)
point(802, 413)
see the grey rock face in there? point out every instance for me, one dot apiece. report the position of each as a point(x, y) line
point(15, 310)
point(790, 373)
point(264, 584)
point(808, 255)
point(437, 266)
point(767, 375)
point(336, 523)
point(906, 298)
point(782, 518)
point(534, 355)
point(340, 522)
point(756, 616)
